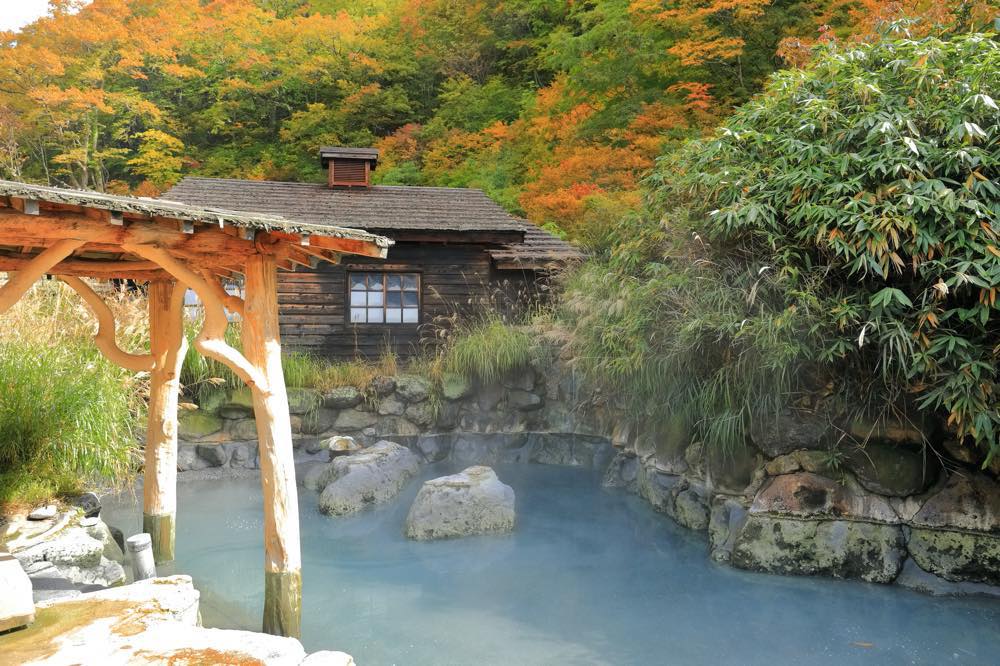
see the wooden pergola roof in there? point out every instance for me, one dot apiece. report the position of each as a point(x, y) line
point(33, 217)
point(74, 234)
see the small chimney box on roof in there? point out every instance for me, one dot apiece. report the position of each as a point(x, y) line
point(348, 167)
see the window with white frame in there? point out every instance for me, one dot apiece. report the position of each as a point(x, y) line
point(384, 298)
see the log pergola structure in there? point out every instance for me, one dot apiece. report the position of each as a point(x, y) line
point(74, 234)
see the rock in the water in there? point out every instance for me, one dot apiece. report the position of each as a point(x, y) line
point(46, 512)
point(691, 509)
point(89, 502)
point(914, 578)
point(966, 502)
point(214, 454)
point(893, 469)
point(957, 556)
point(371, 476)
point(340, 445)
point(473, 501)
point(17, 607)
point(727, 519)
point(838, 548)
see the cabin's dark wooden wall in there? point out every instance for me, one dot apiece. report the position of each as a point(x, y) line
point(314, 310)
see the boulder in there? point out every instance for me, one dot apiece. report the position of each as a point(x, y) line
point(17, 606)
point(351, 420)
point(235, 412)
point(807, 495)
point(730, 471)
point(412, 388)
point(691, 508)
point(525, 401)
point(343, 397)
point(383, 385)
point(421, 414)
point(392, 426)
point(317, 476)
point(914, 578)
point(838, 548)
point(623, 472)
point(792, 429)
point(725, 523)
point(215, 455)
point(241, 397)
point(318, 421)
point(89, 503)
point(658, 488)
point(434, 448)
point(454, 387)
point(371, 476)
point(46, 512)
point(242, 429)
point(471, 502)
point(197, 425)
point(956, 533)
point(303, 400)
point(890, 429)
point(391, 406)
point(892, 469)
point(339, 445)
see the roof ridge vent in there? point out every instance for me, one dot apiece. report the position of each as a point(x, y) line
point(348, 167)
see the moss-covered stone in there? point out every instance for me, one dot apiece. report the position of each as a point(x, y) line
point(303, 400)
point(957, 556)
point(454, 386)
point(241, 397)
point(197, 425)
point(838, 548)
point(893, 470)
point(351, 420)
point(413, 388)
point(342, 397)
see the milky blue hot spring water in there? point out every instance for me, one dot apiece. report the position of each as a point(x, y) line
point(590, 576)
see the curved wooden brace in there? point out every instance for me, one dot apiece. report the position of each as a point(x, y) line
point(12, 292)
point(211, 340)
point(105, 338)
point(231, 303)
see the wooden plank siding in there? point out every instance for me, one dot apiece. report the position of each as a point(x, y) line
point(313, 302)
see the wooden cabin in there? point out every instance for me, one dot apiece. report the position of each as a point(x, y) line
point(456, 252)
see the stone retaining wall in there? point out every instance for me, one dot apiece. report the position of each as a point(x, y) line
point(792, 501)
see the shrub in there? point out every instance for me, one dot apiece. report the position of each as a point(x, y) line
point(837, 236)
point(487, 350)
point(67, 416)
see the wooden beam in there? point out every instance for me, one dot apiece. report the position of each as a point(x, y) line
point(103, 270)
point(105, 338)
point(168, 346)
point(341, 245)
point(15, 287)
point(282, 557)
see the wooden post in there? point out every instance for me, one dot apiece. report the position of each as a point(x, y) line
point(167, 346)
point(262, 348)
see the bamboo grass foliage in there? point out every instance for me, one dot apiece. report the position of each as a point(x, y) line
point(835, 240)
point(488, 350)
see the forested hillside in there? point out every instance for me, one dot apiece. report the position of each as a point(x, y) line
point(554, 107)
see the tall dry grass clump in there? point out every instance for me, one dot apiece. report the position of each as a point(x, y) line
point(68, 417)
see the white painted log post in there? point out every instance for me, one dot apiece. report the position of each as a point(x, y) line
point(262, 348)
point(167, 346)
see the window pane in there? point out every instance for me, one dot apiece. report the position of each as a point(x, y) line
point(393, 282)
point(358, 298)
point(393, 316)
point(374, 315)
point(357, 281)
point(358, 315)
point(393, 299)
point(374, 298)
point(410, 282)
point(410, 299)
point(410, 315)
point(374, 282)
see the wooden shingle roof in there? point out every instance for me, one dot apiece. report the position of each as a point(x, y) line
point(387, 209)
